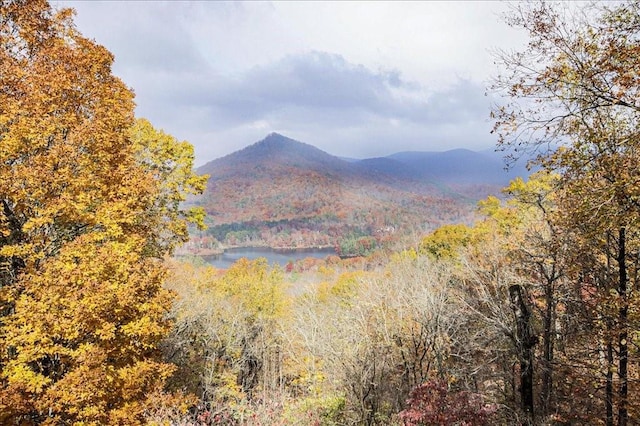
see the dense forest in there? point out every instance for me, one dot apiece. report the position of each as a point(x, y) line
point(528, 316)
point(283, 193)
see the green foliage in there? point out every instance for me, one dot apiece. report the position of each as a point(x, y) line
point(231, 231)
point(356, 243)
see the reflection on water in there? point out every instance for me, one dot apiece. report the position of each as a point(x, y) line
point(281, 257)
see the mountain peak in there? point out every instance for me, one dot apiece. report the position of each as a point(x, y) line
point(275, 144)
point(278, 150)
point(276, 140)
point(275, 135)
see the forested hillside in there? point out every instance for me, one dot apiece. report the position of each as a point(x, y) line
point(527, 313)
point(283, 193)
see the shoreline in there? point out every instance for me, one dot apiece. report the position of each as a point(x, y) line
point(221, 251)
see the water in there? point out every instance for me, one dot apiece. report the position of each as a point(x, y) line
point(273, 256)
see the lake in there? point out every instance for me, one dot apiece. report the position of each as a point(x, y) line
point(273, 256)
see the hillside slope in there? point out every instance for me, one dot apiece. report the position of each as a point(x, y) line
point(282, 192)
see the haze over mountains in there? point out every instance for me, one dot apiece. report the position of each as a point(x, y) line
point(459, 170)
point(279, 186)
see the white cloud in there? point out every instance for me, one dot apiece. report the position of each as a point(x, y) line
point(353, 78)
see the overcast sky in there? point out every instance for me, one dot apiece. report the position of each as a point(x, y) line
point(359, 79)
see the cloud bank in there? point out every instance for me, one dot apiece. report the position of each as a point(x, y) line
point(356, 79)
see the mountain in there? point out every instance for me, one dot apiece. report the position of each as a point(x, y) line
point(282, 192)
point(278, 150)
point(280, 178)
point(277, 160)
point(460, 166)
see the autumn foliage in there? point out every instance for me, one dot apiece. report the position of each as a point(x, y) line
point(434, 403)
point(527, 316)
point(89, 204)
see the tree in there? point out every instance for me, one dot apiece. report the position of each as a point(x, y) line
point(170, 163)
point(375, 336)
point(540, 252)
point(576, 87)
point(498, 342)
point(89, 205)
point(226, 341)
point(446, 241)
point(434, 403)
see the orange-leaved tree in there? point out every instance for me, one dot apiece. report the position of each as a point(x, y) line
point(89, 205)
point(576, 87)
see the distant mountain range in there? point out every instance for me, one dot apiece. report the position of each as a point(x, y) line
point(280, 181)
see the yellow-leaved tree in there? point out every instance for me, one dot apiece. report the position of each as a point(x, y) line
point(89, 205)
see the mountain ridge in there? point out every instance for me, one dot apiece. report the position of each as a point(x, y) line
point(281, 192)
point(454, 166)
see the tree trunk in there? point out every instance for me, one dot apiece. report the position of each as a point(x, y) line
point(525, 342)
point(608, 399)
point(623, 347)
point(548, 347)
